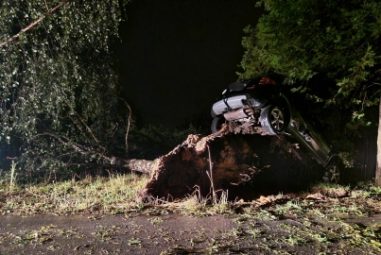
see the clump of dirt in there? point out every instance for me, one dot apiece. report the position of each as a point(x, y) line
point(222, 162)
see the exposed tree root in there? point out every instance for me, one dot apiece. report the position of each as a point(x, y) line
point(227, 160)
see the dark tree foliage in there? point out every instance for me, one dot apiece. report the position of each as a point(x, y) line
point(58, 87)
point(305, 38)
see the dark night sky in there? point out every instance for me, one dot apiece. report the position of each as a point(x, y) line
point(177, 56)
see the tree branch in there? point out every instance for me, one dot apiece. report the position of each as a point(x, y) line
point(76, 147)
point(128, 126)
point(135, 165)
point(33, 24)
point(87, 129)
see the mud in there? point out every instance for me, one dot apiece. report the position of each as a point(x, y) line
point(261, 233)
point(107, 235)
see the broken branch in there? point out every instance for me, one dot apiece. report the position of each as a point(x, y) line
point(33, 24)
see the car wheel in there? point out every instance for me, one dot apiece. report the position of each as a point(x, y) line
point(217, 123)
point(278, 118)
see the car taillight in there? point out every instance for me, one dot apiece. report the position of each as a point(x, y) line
point(266, 81)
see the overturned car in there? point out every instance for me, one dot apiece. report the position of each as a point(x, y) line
point(258, 106)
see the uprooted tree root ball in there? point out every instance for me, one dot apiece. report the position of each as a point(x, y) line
point(222, 162)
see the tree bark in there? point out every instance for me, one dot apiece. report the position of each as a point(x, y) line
point(378, 164)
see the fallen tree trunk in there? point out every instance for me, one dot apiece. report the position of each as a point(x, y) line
point(140, 165)
point(219, 162)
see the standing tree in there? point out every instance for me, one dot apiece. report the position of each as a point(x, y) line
point(340, 39)
point(58, 86)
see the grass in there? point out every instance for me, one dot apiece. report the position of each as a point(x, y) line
point(39, 236)
point(105, 234)
point(102, 195)
point(115, 194)
point(201, 206)
point(118, 193)
point(13, 175)
point(288, 208)
point(281, 224)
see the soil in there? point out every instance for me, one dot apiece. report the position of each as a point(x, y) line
point(109, 234)
point(231, 161)
point(178, 234)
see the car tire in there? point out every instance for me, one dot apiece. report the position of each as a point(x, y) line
point(279, 118)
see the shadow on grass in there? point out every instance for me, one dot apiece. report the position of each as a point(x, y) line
point(275, 181)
